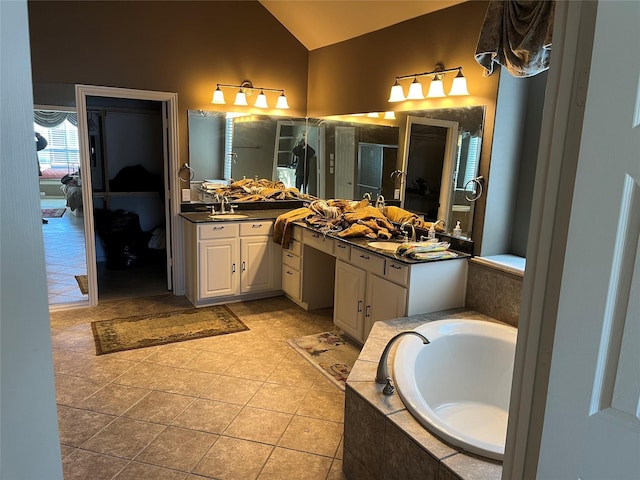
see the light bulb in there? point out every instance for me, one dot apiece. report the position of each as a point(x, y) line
point(415, 90)
point(397, 94)
point(282, 101)
point(261, 100)
point(241, 98)
point(218, 97)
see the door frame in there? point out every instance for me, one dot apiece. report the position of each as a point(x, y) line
point(548, 229)
point(175, 245)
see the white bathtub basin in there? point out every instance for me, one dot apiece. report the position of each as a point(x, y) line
point(458, 386)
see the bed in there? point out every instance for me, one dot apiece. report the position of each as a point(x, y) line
point(73, 194)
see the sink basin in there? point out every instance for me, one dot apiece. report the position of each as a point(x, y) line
point(228, 216)
point(386, 246)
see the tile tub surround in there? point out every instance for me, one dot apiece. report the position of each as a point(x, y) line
point(494, 291)
point(382, 441)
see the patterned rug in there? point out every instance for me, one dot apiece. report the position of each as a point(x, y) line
point(83, 284)
point(120, 334)
point(331, 353)
point(53, 212)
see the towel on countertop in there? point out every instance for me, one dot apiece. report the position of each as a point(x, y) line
point(284, 223)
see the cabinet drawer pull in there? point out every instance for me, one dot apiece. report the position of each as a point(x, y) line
point(315, 235)
point(367, 309)
point(288, 272)
point(366, 257)
point(359, 305)
point(289, 255)
point(233, 268)
point(394, 266)
point(217, 228)
point(341, 246)
point(256, 225)
point(244, 267)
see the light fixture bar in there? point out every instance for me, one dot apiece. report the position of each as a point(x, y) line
point(247, 88)
point(436, 88)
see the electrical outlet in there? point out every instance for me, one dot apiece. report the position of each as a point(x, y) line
point(396, 194)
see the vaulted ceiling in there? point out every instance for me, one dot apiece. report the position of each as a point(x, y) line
point(318, 23)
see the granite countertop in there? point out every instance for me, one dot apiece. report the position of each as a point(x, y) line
point(262, 214)
point(273, 213)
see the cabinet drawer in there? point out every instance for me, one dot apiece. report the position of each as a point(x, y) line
point(292, 260)
point(297, 233)
point(255, 228)
point(318, 241)
point(397, 272)
point(217, 230)
point(342, 250)
point(291, 282)
point(295, 247)
point(367, 260)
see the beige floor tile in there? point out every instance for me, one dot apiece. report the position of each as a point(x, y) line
point(208, 415)
point(212, 362)
point(114, 399)
point(340, 451)
point(77, 342)
point(290, 464)
point(326, 405)
point(66, 451)
point(177, 448)
point(280, 398)
point(72, 391)
point(171, 355)
point(83, 465)
point(167, 379)
point(252, 368)
point(142, 471)
point(159, 407)
point(258, 425)
point(102, 368)
point(294, 374)
point(234, 459)
point(312, 436)
point(124, 437)
point(232, 390)
point(76, 426)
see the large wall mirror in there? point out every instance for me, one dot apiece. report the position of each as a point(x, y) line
point(348, 156)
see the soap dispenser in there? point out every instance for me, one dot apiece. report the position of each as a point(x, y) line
point(457, 231)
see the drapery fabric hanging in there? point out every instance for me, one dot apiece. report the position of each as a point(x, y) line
point(50, 119)
point(517, 35)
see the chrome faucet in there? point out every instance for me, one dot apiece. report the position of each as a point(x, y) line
point(367, 196)
point(223, 200)
point(382, 375)
point(380, 202)
point(413, 231)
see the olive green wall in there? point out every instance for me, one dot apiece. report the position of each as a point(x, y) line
point(173, 46)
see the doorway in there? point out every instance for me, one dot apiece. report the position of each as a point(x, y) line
point(128, 153)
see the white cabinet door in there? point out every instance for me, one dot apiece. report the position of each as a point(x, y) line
point(385, 300)
point(291, 282)
point(349, 296)
point(256, 265)
point(218, 268)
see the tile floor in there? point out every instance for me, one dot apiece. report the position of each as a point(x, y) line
point(64, 254)
point(234, 407)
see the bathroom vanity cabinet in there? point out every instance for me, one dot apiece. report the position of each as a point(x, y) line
point(228, 261)
point(364, 286)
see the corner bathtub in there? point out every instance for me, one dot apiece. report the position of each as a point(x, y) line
point(458, 387)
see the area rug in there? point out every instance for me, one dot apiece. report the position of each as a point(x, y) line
point(331, 353)
point(83, 284)
point(53, 212)
point(120, 334)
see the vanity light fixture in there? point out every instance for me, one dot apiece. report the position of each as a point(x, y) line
point(436, 88)
point(245, 89)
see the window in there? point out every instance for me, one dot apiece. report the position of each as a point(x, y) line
point(61, 156)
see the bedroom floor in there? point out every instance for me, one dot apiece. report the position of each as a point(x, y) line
point(241, 406)
point(64, 254)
